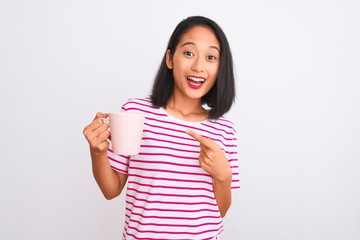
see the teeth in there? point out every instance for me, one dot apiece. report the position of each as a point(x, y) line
point(194, 79)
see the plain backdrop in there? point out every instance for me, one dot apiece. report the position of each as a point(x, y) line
point(297, 111)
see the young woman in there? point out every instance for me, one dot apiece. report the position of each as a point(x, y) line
point(179, 185)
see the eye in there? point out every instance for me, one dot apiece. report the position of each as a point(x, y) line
point(211, 57)
point(189, 54)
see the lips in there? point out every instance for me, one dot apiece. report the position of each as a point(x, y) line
point(195, 82)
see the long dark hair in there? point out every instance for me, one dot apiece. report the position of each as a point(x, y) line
point(222, 95)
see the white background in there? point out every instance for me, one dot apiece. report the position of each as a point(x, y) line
point(297, 111)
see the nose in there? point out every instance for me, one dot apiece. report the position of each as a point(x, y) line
point(198, 65)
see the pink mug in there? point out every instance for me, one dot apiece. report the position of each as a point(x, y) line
point(126, 132)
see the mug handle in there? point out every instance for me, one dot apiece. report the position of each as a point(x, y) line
point(106, 120)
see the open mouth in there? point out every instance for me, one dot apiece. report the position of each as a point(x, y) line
point(195, 82)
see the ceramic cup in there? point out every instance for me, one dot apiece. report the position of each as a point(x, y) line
point(126, 132)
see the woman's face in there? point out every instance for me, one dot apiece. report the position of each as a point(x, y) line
point(195, 63)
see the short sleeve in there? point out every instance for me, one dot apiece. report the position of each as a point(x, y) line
point(119, 163)
point(234, 161)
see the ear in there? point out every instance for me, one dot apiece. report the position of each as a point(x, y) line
point(169, 62)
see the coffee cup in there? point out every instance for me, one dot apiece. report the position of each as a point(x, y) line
point(126, 132)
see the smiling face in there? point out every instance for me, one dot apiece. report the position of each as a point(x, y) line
point(195, 63)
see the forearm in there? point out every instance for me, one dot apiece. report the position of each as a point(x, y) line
point(222, 191)
point(107, 179)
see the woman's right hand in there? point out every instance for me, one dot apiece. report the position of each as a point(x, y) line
point(97, 134)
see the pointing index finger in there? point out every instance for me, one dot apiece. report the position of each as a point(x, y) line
point(197, 137)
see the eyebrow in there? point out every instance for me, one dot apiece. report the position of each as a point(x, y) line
point(192, 43)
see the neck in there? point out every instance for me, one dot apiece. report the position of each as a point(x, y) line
point(189, 109)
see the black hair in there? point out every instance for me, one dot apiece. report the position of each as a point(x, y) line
point(222, 95)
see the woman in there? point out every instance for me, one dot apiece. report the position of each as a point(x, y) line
point(179, 185)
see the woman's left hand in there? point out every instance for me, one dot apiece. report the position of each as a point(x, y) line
point(212, 158)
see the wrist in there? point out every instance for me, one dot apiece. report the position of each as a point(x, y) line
point(224, 178)
point(97, 155)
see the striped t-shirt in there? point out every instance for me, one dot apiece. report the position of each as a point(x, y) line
point(168, 195)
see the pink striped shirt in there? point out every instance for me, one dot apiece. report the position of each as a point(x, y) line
point(168, 195)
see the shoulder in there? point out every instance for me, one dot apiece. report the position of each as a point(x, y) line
point(224, 124)
point(138, 104)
